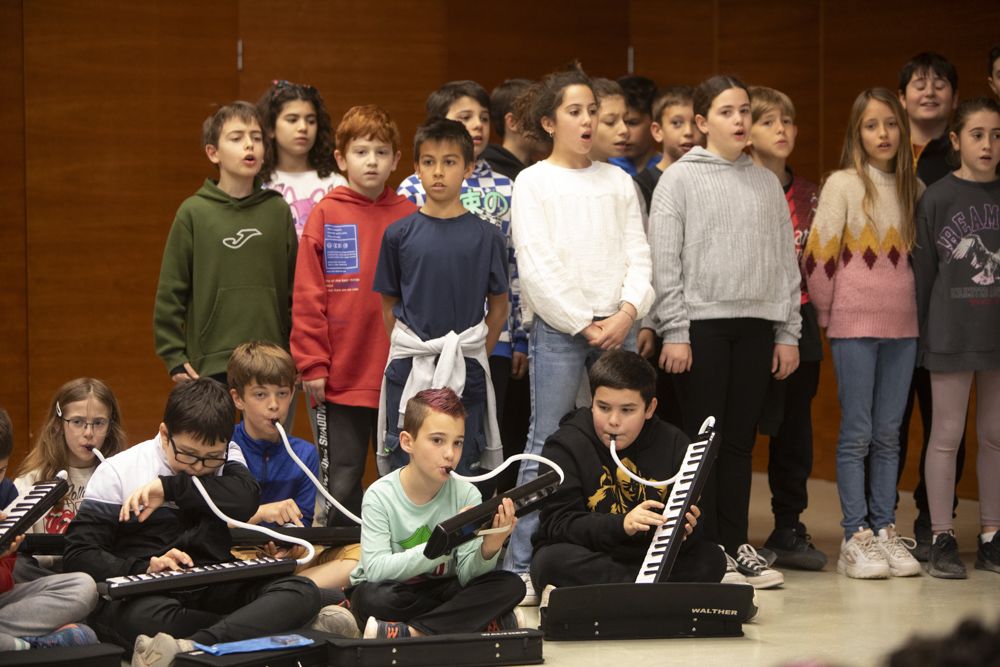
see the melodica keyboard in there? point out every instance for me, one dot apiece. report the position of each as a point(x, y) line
point(193, 577)
point(25, 512)
point(667, 538)
point(464, 526)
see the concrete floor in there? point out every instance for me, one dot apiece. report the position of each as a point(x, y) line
point(818, 616)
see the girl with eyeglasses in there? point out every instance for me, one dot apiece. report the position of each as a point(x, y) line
point(82, 417)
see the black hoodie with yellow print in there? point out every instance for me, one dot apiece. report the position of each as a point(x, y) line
point(590, 505)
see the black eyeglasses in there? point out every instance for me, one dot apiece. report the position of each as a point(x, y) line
point(191, 459)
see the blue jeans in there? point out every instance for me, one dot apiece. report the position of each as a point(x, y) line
point(873, 378)
point(556, 362)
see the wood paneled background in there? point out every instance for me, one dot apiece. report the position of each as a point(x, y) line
point(103, 102)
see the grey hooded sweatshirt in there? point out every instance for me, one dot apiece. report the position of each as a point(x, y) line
point(723, 247)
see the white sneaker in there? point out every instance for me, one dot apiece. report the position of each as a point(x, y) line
point(546, 592)
point(158, 651)
point(754, 567)
point(897, 552)
point(862, 558)
point(530, 596)
point(733, 574)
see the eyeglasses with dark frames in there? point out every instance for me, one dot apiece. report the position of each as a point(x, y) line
point(190, 459)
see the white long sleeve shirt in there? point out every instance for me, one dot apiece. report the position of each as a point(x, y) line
point(580, 245)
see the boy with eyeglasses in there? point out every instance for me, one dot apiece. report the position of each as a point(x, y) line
point(142, 514)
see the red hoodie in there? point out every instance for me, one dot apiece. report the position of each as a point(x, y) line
point(337, 329)
point(7, 572)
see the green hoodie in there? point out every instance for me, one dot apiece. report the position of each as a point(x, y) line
point(226, 278)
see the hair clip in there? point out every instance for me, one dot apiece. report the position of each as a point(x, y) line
point(58, 410)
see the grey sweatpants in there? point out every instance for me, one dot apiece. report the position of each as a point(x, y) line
point(38, 607)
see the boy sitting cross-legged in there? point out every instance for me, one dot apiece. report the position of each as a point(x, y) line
point(399, 591)
point(142, 514)
point(597, 527)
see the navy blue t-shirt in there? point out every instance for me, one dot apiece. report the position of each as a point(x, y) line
point(8, 492)
point(442, 270)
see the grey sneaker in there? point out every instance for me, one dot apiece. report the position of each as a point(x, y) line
point(944, 562)
point(338, 621)
point(988, 555)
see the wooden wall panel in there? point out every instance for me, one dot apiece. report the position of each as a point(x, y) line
point(530, 40)
point(13, 279)
point(747, 42)
point(674, 40)
point(389, 53)
point(115, 96)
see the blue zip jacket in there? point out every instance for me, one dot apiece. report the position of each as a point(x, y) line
point(279, 477)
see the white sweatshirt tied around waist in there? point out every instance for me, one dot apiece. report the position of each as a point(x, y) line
point(440, 362)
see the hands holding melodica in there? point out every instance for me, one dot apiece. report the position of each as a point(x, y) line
point(504, 519)
point(647, 514)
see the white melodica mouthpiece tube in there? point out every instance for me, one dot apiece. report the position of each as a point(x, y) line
point(326, 494)
point(516, 457)
point(97, 453)
point(310, 550)
point(706, 425)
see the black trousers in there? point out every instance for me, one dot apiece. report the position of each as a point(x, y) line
point(791, 447)
point(514, 423)
point(920, 390)
point(439, 606)
point(210, 614)
point(349, 429)
point(728, 380)
point(566, 564)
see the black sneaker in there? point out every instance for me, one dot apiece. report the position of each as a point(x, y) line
point(988, 556)
point(944, 562)
point(794, 549)
point(924, 536)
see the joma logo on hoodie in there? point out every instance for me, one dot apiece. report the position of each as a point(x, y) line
point(242, 236)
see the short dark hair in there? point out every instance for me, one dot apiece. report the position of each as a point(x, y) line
point(212, 127)
point(270, 106)
point(441, 99)
point(640, 91)
point(621, 369)
point(502, 102)
point(928, 61)
point(443, 400)
point(994, 55)
point(201, 408)
point(442, 129)
point(6, 435)
point(712, 87)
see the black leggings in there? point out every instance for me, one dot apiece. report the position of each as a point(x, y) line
point(730, 370)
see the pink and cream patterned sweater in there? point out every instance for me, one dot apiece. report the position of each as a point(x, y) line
point(859, 274)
